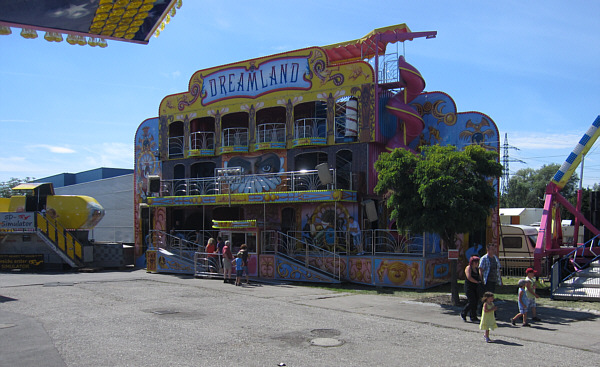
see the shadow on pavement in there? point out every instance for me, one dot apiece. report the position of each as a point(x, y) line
point(549, 315)
point(6, 299)
point(504, 342)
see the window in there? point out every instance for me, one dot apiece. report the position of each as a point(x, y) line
point(512, 242)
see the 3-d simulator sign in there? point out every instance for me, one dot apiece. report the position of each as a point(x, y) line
point(17, 221)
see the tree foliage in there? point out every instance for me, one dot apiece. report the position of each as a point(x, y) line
point(6, 186)
point(443, 191)
point(527, 187)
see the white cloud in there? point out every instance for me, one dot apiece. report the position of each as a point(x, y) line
point(172, 74)
point(117, 155)
point(54, 149)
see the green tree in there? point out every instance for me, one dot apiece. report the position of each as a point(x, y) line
point(527, 187)
point(443, 191)
point(6, 186)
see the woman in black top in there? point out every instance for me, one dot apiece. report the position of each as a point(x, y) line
point(472, 283)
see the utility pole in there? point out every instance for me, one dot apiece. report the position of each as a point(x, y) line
point(505, 162)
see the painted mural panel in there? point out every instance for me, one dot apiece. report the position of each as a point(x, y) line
point(327, 223)
point(329, 264)
point(437, 271)
point(399, 273)
point(289, 270)
point(172, 264)
point(267, 266)
point(146, 164)
point(360, 270)
point(261, 172)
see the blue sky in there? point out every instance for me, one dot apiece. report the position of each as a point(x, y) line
point(532, 66)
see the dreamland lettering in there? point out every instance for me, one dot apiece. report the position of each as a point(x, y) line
point(239, 82)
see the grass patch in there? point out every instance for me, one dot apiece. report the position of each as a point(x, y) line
point(507, 292)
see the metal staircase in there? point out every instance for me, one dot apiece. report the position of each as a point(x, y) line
point(299, 260)
point(577, 275)
point(61, 241)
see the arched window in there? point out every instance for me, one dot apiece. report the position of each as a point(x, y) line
point(202, 133)
point(270, 125)
point(306, 176)
point(310, 120)
point(202, 179)
point(234, 129)
point(179, 182)
point(176, 139)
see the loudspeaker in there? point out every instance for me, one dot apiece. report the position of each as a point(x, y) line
point(144, 211)
point(371, 210)
point(153, 184)
point(324, 174)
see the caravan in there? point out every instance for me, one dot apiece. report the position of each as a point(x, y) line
point(517, 244)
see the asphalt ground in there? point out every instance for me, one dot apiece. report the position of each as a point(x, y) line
point(140, 319)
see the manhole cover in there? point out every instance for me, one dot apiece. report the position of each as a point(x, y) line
point(325, 333)
point(326, 342)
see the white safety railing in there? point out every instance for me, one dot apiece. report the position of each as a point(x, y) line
point(270, 133)
point(202, 140)
point(236, 136)
point(175, 146)
point(310, 128)
point(281, 181)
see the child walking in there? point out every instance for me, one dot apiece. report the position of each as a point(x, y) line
point(523, 303)
point(488, 320)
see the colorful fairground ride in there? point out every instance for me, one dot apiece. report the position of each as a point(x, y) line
point(277, 153)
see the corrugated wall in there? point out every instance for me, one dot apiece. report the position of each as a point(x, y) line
point(116, 196)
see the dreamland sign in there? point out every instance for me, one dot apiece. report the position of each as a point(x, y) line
point(276, 74)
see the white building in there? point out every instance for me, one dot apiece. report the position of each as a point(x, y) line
point(525, 216)
point(113, 189)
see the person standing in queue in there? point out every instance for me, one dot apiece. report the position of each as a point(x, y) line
point(472, 287)
point(227, 259)
point(239, 269)
point(243, 253)
point(220, 245)
point(211, 255)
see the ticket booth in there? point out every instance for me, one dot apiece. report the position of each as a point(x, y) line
point(240, 232)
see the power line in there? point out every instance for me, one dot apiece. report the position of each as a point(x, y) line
point(505, 162)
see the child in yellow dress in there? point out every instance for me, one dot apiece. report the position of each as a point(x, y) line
point(488, 320)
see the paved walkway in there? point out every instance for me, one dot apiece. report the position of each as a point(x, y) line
point(140, 319)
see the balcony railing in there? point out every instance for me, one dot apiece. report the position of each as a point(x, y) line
point(202, 140)
point(310, 128)
point(370, 242)
point(237, 136)
point(267, 182)
point(270, 133)
point(176, 147)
